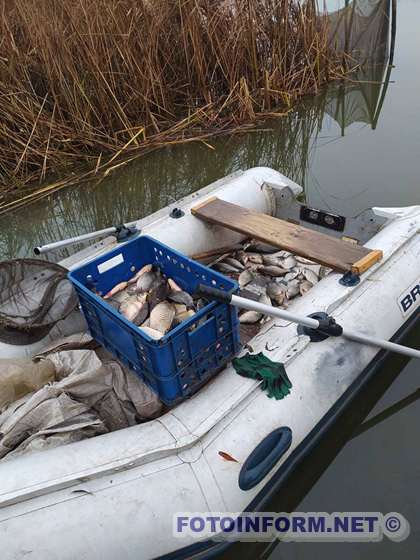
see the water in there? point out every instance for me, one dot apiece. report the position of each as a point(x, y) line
point(352, 148)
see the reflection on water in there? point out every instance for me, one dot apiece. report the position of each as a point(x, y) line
point(293, 145)
point(371, 465)
point(368, 466)
point(363, 27)
point(162, 177)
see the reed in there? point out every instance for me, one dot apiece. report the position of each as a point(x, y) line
point(102, 81)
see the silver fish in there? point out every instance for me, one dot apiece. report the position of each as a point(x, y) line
point(145, 268)
point(157, 293)
point(255, 258)
point(173, 286)
point(250, 317)
point(304, 287)
point(282, 254)
point(132, 306)
point(179, 308)
point(121, 296)
point(252, 267)
point(245, 278)
point(146, 281)
point(245, 293)
point(116, 289)
point(200, 303)
point(264, 299)
point(291, 275)
point(184, 316)
point(181, 297)
point(162, 316)
point(302, 260)
point(292, 289)
point(314, 267)
point(153, 333)
point(130, 291)
point(277, 292)
point(310, 276)
point(289, 262)
point(218, 259)
point(271, 260)
point(113, 302)
point(242, 257)
point(256, 289)
point(272, 270)
point(261, 280)
point(225, 268)
point(261, 247)
point(142, 315)
point(234, 262)
point(324, 271)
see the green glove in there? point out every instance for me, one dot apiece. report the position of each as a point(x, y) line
point(275, 380)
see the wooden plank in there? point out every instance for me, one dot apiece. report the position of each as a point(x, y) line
point(196, 208)
point(323, 249)
point(365, 263)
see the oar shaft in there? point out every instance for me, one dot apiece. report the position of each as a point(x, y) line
point(379, 343)
point(79, 239)
point(251, 305)
point(271, 311)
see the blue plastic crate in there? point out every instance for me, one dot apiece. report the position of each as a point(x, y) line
point(185, 358)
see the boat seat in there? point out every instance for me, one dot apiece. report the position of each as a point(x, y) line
point(329, 251)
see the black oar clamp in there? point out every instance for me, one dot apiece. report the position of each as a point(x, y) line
point(176, 213)
point(123, 232)
point(349, 279)
point(327, 327)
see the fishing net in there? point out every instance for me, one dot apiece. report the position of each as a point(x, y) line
point(363, 29)
point(34, 296)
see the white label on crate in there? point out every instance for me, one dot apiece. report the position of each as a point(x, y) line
point(107, 265)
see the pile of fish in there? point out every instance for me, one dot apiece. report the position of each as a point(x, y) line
point(153, 302)
point(156, 304)
point(268, 275)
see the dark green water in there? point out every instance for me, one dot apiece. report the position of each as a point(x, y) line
point(352, 148)
point(371, 461)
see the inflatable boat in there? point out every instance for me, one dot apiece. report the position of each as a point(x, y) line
point(115, 495)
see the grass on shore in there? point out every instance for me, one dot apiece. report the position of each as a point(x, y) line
point(101, 81)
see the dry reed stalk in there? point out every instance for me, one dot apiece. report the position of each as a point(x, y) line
point(97, 81)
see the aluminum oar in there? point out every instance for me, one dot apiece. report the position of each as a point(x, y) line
point(85, 237)
point(328, 326)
